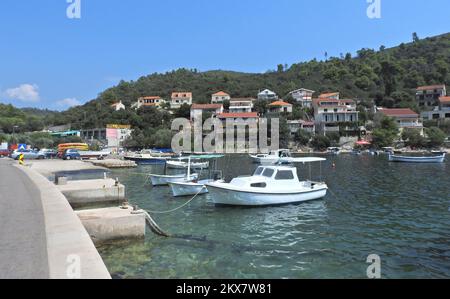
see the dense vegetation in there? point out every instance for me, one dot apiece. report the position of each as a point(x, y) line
point(385, 77)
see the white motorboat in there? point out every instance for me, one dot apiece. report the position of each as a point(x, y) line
point(417, 159)
point(184, 165)
point(189, 188)
point(269, 185)
point(334, 151)
point(271, 158)
point(164, 180)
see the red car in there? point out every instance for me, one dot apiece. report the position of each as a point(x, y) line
point(5, 152)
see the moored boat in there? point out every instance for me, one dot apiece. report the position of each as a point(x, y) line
point(269, 185)
point(148, 157)
point(417, 159)
point(164, 180)
point(271, 158)
point(189, 188)
point(184, 165)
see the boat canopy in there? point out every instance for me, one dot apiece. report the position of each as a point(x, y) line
point(302, 160)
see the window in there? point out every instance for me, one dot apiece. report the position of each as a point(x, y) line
point(447, 115)
point(258, 171)
point(268, 172)
point(284, 175)
point(259, 185)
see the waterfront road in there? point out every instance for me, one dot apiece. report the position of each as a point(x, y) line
point(23, 246)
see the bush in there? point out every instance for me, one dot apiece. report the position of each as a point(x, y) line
point(320, 142)
point(413, 138)
point(302, 137)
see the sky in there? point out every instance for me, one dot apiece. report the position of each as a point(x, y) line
point(48, 60)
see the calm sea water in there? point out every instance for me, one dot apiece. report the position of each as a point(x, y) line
point(398, 211)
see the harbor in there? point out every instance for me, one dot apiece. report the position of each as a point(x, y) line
point(399, 211)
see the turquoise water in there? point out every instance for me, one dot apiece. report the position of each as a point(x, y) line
point(398, 211)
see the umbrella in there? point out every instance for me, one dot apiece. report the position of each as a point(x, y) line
point(363, 142)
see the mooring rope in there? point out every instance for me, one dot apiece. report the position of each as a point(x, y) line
point(180, 207)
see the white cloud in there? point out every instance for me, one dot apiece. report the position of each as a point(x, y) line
point(24, 93)
point(68, 102)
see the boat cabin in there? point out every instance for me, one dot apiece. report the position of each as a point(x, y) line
point(270, 176)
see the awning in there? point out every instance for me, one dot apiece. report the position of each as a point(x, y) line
point(363, 142)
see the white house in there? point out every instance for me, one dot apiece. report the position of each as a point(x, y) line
point(428, 96)
point(439, 112)
point(220, 97)
point(241, 105)
point(268, 95)
point(118, 106)
point(303, 96)
point(329, 112)
point(295, 125)
point(405, 118)
point(180, 98)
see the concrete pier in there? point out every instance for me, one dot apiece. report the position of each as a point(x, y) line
point(92, 191)
point(68, 250)
point(49, 167)
point(114, 163)
point(112, 223)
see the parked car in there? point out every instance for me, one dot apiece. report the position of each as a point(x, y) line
point(49, 153)
point(5, 153)
point(71, 154)
point(27, 155)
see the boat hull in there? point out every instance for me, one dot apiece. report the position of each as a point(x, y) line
point(187, 189)
point(146, 160)
point(202, 165)
point(164, 180)
point(224, 196)
point(265, 160)
point(405, 159)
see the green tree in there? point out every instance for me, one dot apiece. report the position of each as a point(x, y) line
point(302, 137)
point(412, 138)
point(436, 137)
point(320, 142)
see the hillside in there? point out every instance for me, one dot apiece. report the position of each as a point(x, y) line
point(388, 76)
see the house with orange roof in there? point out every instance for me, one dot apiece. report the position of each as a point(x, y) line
point(197, 110)
point(118, 106)
point(439, 112)
point(405, 118)
point(428, 96)
point(330, 95)
point(220, 97)
point(180, 98)
point(280, 106)
point(149, 101)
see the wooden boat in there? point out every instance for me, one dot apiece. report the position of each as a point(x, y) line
point(417, 159)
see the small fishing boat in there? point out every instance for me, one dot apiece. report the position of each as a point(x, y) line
point(417, 159)
point(148, 157)
point(269, 185)
point(189, 188)
point(184, 165)
point(164, 180)
point(197, 187)
point(271, 158)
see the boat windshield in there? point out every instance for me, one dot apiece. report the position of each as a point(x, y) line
point(268, 172)
point(259, 170)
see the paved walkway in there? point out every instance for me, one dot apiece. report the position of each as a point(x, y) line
point(23, 245)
